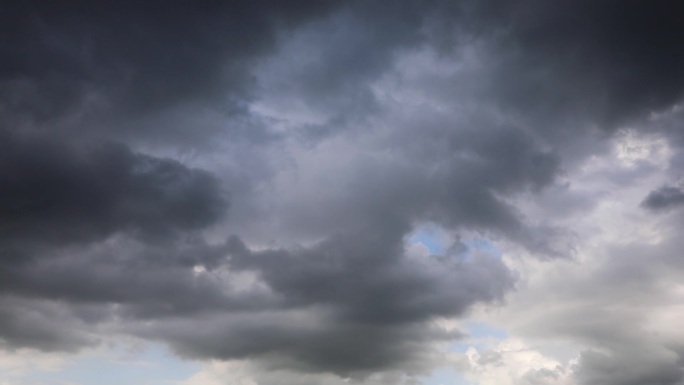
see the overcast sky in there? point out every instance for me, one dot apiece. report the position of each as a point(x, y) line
point(342, 192)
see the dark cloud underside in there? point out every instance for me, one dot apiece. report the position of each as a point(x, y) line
point(664, 198)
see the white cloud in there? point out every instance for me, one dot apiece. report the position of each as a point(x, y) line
point(18, 363)
point(512, 362)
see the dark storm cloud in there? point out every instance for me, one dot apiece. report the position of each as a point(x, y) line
point(570, 59)
point(607, 61)
point(351, 304)
point(348, 350)
point(366, 278)
point(163, 53)
point(109, 64)
point(84, 223)
point(41, 325)
point(60, 194)
point(664, 198)
point(62, 208)
point(146, 279)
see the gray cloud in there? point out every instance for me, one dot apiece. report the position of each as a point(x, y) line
point(338, 129)
point(114, 69)
point(41, 325)
point(60, 194)
point(617, 306)
point(608, 62)
point(350, 305)
point(629, 368)
point(664, 198)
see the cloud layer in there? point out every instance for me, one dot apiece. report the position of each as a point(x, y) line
point(250, 184)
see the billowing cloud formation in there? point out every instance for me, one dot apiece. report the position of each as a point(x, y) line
point(250, 183)
point(350, 303)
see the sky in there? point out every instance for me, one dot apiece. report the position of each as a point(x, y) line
point(321, 192)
